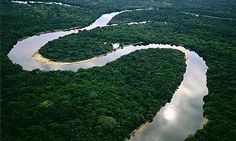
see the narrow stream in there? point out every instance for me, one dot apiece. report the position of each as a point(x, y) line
point(174, 122)
point(41, 2)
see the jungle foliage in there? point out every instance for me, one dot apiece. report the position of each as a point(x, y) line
point(72, 48)
point(52, 105)
point(105, 103)
point(213, 39)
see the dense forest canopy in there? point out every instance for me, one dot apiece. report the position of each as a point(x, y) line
point(210, 7)
point(161, 22)
point(59, 105)
point(88, 104)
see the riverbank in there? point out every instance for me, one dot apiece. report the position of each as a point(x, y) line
point(138, 130)
point(204, 122)
point(38, 57)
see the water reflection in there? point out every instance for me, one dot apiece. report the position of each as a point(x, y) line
point(169, 113)
point(184, 114)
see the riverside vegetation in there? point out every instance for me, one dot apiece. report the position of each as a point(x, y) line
point(105, 103)
point(54, 111)
point(213, 38)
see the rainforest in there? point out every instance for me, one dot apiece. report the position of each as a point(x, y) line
point(118, 70)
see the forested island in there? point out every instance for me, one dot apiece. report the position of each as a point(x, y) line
point(108, 103)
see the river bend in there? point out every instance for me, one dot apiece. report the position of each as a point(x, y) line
point(175, 121)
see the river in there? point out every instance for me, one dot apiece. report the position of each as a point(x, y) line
point(173, 122)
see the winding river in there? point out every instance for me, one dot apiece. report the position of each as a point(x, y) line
point(173, 122)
